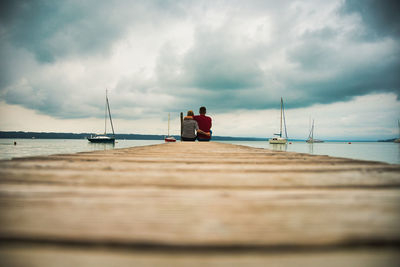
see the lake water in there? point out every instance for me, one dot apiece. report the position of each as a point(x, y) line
point(376, 151)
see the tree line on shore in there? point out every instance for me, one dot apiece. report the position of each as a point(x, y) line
point(52, 135)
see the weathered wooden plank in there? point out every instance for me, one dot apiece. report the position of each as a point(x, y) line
point(206, 179)
point(201, 217)
point(39, 256)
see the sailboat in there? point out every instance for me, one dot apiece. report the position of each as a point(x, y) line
point(279, 139)
point(104, 138)
point(169, 138)
point(398, 139)
point(311, 136)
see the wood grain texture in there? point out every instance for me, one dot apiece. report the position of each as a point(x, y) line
point(200, 198)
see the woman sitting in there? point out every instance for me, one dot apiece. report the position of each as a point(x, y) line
point(190, 127)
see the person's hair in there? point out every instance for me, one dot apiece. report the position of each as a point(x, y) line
point(190, 113)
point(202, 110)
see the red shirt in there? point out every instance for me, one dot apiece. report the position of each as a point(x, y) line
point(204, 123)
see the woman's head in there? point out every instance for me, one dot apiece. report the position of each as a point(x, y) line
point(190, 113)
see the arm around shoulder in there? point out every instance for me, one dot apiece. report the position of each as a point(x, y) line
point(202, 132)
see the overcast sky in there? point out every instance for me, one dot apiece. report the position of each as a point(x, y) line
point(335, 61)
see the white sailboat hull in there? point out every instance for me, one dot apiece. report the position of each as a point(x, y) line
point(277, 140)
point(101, 139)
point(310, 141)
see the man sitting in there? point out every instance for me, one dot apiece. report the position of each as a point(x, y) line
point(204, 123)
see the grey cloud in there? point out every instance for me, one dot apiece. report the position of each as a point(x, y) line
point(222, 69)
point(313, 55)
point(381, 17)
point(341, 67)
point(325, 33)
point(29, 96)
point(218, 71)
point(35, 26)
point(346, 85)
point(228, 76)
point(55, 29)
point(138, 96)
point(215, 63)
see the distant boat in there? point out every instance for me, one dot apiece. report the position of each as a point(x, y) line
point(279, 139)
point(169, 138)
point(104, 138)
point(398, 139)
point(311, 136)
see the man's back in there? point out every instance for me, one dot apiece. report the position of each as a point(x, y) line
point(205, 124)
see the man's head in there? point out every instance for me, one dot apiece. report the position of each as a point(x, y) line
point(202, 110)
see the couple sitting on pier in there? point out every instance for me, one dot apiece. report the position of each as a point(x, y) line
point(199, 123)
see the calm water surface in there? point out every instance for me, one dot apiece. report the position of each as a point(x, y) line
point(376, 151)
point(37, 147)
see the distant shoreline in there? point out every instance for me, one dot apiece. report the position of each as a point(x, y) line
point(54, 135)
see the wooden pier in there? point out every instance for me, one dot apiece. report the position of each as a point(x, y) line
point(198, 204)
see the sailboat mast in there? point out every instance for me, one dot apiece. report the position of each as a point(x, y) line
point(109, 113)
point(312, 130)
point(280, 132)
point(284, 119)
point(310, 127)
point(105, 116)
point(168, 122)
point(398, 122)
